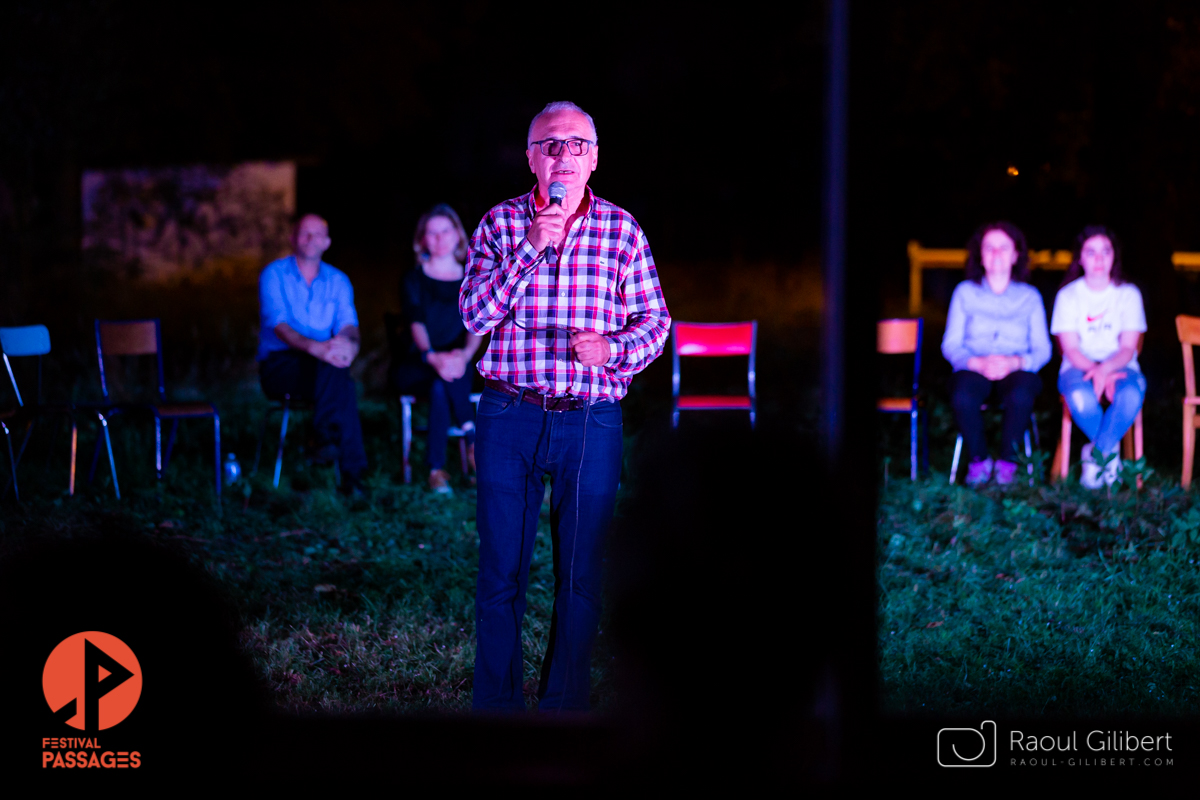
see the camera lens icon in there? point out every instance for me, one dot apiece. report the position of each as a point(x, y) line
point(967, 747)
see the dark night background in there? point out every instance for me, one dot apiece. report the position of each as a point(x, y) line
point(710, 126)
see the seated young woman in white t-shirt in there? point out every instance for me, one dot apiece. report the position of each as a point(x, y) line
point(1098, 318)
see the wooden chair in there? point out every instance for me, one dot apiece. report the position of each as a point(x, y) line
point(706, 339)
point(144, 338)
point(1188, 329)
point(1131, 443)
point(898, 337)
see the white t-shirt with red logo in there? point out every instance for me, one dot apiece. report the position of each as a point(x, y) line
point(1098, 317)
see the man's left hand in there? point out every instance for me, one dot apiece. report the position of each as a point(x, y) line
point(591, 349)
point(342, 351)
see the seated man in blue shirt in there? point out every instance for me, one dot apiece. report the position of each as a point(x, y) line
point(308, 338)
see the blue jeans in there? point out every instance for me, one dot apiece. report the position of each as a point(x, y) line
point(516, 445)
point(1104, 427)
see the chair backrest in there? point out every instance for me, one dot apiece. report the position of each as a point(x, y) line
point(1188, 329)
point(713, 339)
point(136, 337)
point(28, 340)
point(899, 336)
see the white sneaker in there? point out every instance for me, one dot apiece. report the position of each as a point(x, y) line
point(1090, 477)
point(1110, 471)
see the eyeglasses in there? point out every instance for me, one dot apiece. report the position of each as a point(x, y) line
point(553, 147)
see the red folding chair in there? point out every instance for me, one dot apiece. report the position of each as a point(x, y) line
point(713, 339)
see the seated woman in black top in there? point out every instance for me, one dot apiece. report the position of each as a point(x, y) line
point(439, 358)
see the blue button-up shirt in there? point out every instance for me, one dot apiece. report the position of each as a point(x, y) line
point(319, 311)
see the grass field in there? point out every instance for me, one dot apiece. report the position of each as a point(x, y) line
point(345, 605)
point(1027, 600)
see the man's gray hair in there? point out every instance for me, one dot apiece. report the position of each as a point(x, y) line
point(554, 108)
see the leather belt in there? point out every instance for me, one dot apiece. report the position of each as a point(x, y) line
point(545, 402)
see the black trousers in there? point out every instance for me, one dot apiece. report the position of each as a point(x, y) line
point(1016, 392)
point(445, 397)
point(332, 392)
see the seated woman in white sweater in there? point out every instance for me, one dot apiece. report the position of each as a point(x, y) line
point(996, 341)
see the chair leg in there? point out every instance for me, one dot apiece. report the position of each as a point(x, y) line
point(1033, 426)
point(1138, 452)
point(217, 452)
point(282, 437)
point(1064, 443)
point(112, 462)
point(262, 434)
point(158, 447)
point(1137, 444)
point(925, 442)
point(74, 452)
point(1189, 442)
point(406, 433)
point(957, 454)
point(25, 441)
point(95, 456)
point(1029, 455)
point(12, 463)
point(170, 444)
point(912, 444)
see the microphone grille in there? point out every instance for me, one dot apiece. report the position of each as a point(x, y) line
point(557, 191)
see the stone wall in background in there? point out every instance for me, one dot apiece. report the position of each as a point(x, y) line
point(163, 223)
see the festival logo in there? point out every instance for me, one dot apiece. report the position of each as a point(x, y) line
point(92, 681)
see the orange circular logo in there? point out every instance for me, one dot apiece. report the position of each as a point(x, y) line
point(92, 681)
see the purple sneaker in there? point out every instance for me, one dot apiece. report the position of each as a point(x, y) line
point(1005, 471)
point(979, 471)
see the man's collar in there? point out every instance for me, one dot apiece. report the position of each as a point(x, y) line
point(588, 200)
point(320, 267)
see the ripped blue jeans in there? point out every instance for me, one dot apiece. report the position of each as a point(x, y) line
point(1104, 427)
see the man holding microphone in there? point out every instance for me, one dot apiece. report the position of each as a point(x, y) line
point(566, 284)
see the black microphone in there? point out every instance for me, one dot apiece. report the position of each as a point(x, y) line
point(557, 192)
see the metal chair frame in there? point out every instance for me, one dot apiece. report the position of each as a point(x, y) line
point(286, 405)
point(406, 426)
point(900, 337)
point(135, 343)
point(1028, 446)
point(19, 342)
point(714, 339)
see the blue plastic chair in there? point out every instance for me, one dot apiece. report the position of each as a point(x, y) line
point(22, 342)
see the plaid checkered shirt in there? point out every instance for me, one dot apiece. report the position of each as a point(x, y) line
point(604, 281)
